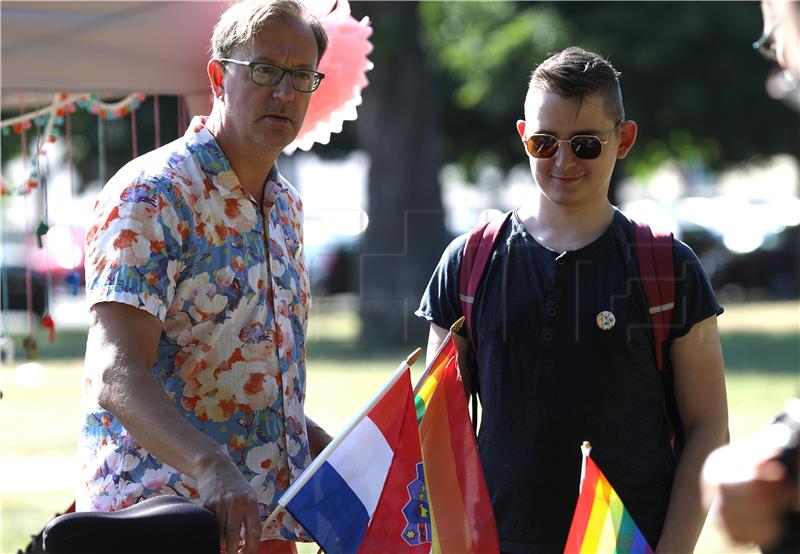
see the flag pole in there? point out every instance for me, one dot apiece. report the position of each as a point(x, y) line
point(309, 472)
point(586, 450)
point(454, 328)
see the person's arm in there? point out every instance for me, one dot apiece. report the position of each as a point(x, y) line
point(702, 405)
point(436, 337)
point(318, 438)
point(121, 349)
point(749, 490)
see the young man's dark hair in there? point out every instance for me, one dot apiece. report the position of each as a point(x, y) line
point(577, 73)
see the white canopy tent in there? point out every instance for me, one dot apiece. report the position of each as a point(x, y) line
point(114, 49)
point(107, 48)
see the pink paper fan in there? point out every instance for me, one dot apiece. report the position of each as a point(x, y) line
point(345, 65)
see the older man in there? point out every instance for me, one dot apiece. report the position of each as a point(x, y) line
point(195, 363)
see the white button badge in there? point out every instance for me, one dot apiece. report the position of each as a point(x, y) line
point(605, 320)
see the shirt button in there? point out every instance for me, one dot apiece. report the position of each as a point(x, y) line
point(548, 336)
point(551, 311)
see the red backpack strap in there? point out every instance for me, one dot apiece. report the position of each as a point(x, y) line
point(477, 251)
point(657, 273)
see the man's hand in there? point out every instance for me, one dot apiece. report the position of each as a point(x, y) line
point(120, 354)
point(318, 438)
point(224, 491)
point(748, 490)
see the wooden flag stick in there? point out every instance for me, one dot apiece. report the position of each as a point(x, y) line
point(295, 487)
point(454, 328)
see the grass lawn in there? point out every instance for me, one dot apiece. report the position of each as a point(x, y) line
point(39, 411)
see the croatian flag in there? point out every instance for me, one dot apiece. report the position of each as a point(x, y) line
point(365, 496)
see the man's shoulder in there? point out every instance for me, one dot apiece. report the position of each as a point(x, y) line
point(156, 170)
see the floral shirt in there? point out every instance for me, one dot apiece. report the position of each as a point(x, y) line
point(176, 235)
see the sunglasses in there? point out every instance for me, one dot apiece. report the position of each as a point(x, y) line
point(584, 147)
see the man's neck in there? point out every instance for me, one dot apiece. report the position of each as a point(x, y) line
point(251, 165)
point(566, 228)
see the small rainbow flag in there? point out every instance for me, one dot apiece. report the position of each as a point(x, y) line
point(462, 519)
point(601, 524)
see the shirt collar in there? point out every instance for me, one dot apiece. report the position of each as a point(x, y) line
point(215, 164)
point(274, 187)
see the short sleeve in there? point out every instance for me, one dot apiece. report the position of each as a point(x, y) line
point(440, 304)
point(694, 297)
point(133, 248)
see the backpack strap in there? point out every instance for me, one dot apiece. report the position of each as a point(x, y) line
point(657, 274)
point(477, 251)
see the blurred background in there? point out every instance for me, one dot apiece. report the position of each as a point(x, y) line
point(434, 149)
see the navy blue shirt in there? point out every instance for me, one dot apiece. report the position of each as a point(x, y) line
point(549, 377)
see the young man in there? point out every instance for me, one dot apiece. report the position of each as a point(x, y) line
point(564, 346)
point(195, 363)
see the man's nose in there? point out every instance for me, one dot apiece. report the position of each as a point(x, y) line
point(284, 88)
point(564, 156)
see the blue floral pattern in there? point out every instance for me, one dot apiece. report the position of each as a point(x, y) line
point(176, 235)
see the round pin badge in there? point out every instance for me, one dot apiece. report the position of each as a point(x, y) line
point(605, 320)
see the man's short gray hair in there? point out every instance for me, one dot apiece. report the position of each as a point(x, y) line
point(243, 20)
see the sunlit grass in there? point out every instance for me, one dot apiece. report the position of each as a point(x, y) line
point(39, 415)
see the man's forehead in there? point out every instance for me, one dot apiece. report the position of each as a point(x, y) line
point(549, 108)
point(280, 37)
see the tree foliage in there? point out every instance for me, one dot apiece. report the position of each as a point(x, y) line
point(690, 77)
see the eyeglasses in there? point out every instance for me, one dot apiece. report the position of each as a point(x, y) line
point(585, 147)
point(269, 75)
point(766, 46)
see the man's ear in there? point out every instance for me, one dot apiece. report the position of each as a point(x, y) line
point(627, 136)
point(521, 128)
point(216, 71)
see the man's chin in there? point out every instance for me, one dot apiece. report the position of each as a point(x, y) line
point(275, 141)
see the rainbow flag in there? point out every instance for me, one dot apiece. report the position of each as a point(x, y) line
point(462, 519)
point(601, 524)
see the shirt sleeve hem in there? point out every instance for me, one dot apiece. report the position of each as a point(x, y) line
point(717, 311)
point(143, 301)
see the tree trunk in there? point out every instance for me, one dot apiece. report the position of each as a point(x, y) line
point(399, 127)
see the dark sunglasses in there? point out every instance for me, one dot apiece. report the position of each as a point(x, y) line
point(585, 147)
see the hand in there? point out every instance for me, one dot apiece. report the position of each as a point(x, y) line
point(224, 491)
point(318, 438)
point(750, 491)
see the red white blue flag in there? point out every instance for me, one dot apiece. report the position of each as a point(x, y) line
point(369, 495)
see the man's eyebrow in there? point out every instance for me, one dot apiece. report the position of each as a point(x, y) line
point(299, 66)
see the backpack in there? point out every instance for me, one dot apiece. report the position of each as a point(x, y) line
point(656, 273)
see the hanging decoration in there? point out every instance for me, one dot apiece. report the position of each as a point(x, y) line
point(48, 122)
point(73, 278)
point(345, 65)
point(51, 118)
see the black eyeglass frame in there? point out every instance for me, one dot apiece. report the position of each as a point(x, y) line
point(283, 71)
point(572, 148)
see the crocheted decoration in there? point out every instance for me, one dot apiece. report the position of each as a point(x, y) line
point(345, 65)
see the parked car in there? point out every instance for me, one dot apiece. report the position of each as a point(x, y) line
point(771, 271)
point(14, 291)
point(59, 263)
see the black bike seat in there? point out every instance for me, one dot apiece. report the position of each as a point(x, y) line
point(164, 524)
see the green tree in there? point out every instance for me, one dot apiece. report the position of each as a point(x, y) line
point(399, 126)
point(690, 77)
